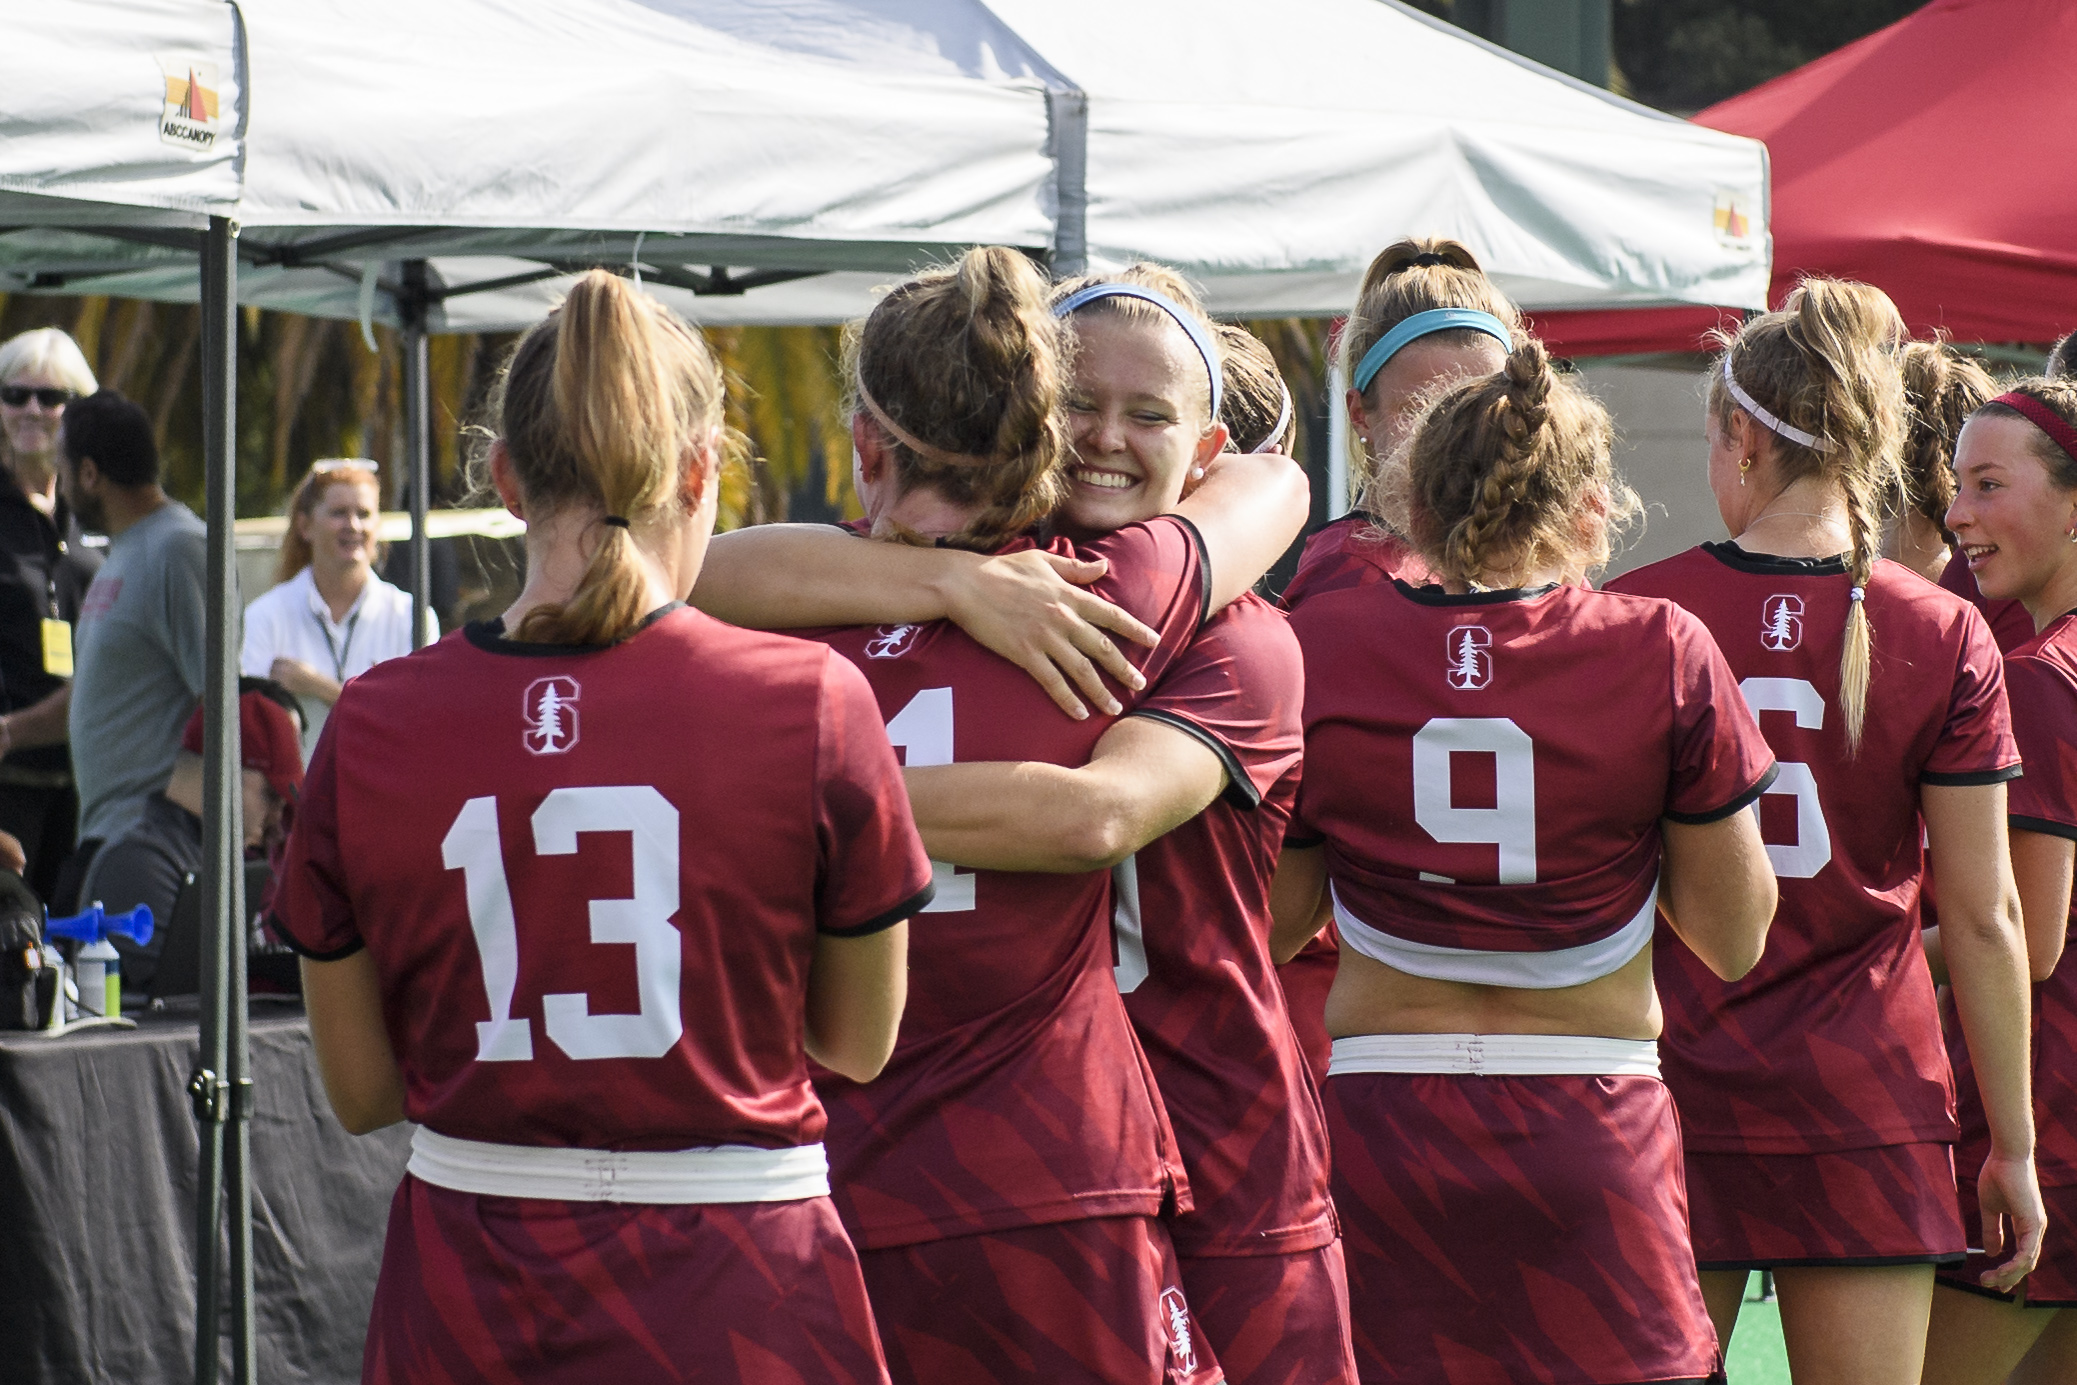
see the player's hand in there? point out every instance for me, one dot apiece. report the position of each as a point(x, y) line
point(1030, 608)
point(297, 676)
point(2010, 1198)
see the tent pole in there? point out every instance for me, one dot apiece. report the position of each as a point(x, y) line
point(219, 1085)
point(1067, 119)
point(418, 443)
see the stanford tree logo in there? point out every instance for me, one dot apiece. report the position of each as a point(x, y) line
point(1781, 623)
point(1175, 1315)
point(550, 708)
point(1470, 664)
point(890, 641)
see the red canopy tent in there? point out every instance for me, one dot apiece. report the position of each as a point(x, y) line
point(1930, 159)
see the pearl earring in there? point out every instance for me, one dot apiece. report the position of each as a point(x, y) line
point(1743, 467)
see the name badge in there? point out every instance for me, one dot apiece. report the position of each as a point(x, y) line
point(57, 648)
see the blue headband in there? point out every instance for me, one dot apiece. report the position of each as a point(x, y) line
point(1420, 325)
point(1199, 338)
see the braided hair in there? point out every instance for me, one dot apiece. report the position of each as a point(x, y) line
point(1514, 472)
point(1942, 388)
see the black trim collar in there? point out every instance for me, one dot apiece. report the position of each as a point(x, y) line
point(1732, 556)
point(1438, 596)
point(489, 636)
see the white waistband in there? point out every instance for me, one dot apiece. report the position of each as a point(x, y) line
point(1496, 1055)
point(1528, 971)
point(721, 1173)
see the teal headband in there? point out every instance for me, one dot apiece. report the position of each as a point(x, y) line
point(1420, 325)
point(1199, 338)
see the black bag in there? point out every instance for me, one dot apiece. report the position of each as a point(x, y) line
point(28, 988)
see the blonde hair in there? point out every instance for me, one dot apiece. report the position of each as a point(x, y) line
point(48, 351)
point(1257, 399)
point(1942, 388)
point(604, 404)
point(1826, 364)
point(969, 361)
point(1510, 468)
point(308, 495)
point(1170, 285)
point(1416, 274)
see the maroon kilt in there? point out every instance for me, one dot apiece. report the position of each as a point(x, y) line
point(1098, 1301)
point(1891, 1205)
point(1275, 1319)
point(2053, 1284)
point(500, 1289)
point(1502, 1229)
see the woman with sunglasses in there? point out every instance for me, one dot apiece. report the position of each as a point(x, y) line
point(44, 574)
point(329, 617)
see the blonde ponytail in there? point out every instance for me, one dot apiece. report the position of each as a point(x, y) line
point(1826, 365)
point(605, 404)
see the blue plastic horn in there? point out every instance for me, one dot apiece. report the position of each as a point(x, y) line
point(96, 924)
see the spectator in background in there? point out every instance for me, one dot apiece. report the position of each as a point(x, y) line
point(139, 645)
point(44, 572)
point(330, 617)
point(154, 856)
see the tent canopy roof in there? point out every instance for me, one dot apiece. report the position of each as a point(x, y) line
point(1267, 154)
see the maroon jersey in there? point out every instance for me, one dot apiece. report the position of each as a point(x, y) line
point(1192, 923)
point(1833, 1041)
point(1353, 551)
point(2010, 624)
point(1017, 1094)
point(2041, 681)
point(1489, 771)
point(591, 878)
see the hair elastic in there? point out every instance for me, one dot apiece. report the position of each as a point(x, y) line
point(1283, 421)
point(618, 521)
point(1199, 338)
point(2042, 417)
point(1423, 324)
point(908, 439)
point(1856, 594)
point(1768, 420)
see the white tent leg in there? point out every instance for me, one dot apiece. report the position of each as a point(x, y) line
point(418, 440)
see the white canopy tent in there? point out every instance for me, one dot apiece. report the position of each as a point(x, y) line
point(750, 152)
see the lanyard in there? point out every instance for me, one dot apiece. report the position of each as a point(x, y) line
point(340, 653)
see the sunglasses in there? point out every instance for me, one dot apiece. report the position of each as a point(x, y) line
point(15, 396)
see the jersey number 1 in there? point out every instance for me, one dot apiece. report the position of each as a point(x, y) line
point(923, 732)
point(472, 846)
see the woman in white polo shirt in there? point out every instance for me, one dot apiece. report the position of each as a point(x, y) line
point(329, 617)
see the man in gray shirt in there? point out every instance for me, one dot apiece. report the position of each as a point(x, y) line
point(138, 661)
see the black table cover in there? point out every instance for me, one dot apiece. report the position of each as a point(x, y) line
point(97, 1208)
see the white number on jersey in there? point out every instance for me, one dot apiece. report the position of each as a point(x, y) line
point(1510, 824)
point(1813, 846)
point(472, 846)
point(1127, 932)
point(923, 730)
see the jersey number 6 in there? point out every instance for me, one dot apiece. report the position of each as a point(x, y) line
point(1812, 850)
point(472, 846)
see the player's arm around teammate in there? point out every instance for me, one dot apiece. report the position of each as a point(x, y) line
point(620, 1139)
point(2014, 516)
point(1491, 815)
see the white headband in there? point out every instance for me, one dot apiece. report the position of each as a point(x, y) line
point(1283, 421)
point(1768, 420)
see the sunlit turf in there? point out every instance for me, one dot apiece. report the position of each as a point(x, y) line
point(1757, 1357)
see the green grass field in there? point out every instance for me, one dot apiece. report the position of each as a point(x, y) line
point(1757, 1357)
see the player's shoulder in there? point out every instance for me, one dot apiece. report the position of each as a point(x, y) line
point(1670, 575)
point(2052, 653)
point(1905, 605)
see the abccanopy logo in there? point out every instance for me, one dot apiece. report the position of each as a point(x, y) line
point(190, 117)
